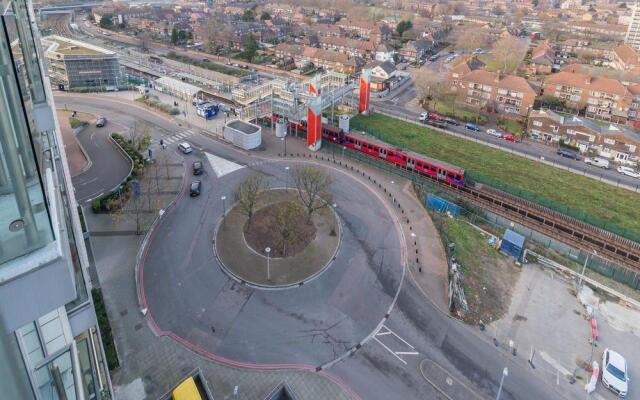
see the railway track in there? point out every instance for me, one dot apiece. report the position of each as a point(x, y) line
point(552, 224)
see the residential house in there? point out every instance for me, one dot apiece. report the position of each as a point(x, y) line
point(613, 142)
point(384, 53)
point(509, 95)
point(589, 28)
point(366, 30)
point(384, 75)
point(625, 58)
point(601, 98)
point(543, 59)
point(328, 59)
point(463, 68)
point(415, 50)
point(352, 47)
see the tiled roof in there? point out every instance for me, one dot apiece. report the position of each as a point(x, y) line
point(627, 54)
point(511, 82)
point(586, 81)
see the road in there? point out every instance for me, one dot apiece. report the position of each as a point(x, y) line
point(386, 367)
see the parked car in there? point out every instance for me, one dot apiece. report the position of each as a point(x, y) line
point(101, 121)
point(197, 168)
point(194, 190)
point(510, 138)
point(494, 132)
point(568, 154)
point(598, 162)
point(451, 121)
point(472, 127)
point(185, 148)
point(614, 372)
point(433, 57)
point(423, 116)
point(629, 172)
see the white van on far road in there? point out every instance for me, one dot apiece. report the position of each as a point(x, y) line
point(598, 162)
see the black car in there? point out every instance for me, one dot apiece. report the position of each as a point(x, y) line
point(568, 154)
point(452, 121)
point(197, 168)
point(194, 190)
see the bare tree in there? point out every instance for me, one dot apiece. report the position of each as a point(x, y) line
point(247, 194)
point(509, 52)
point(470, 38)
point(313, 188)
point(430, 84)
point(287, 219)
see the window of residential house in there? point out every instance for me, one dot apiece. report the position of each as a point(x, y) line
point(537, 123)
point(610, 141)
point(622, 156)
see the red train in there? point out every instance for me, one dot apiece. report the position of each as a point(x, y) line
point(404, 158)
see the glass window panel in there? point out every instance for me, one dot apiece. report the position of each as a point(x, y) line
point(86, 366)
point(55, 378)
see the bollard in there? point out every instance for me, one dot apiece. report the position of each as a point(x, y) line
point(481, 325)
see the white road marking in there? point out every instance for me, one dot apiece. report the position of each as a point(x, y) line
point(405, 352)
point(181, 135)
point(222, 166)
point(170, 140)
point(555, 364)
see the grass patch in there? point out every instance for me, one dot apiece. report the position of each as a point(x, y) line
point(210, 65)
point(511, 126)
point(598, 203)
point(76, 123)
point(105, 330)
point(457, 112)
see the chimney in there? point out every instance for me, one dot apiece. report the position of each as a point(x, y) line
point(498, 76)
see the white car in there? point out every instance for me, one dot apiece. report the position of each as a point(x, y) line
point(614, 372)
point(493, 132)
point(629, 172)
point(598, 162)
point(423, 116)
point(185, 148)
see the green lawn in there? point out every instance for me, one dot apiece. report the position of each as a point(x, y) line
point(511, 126)
point(458, 112)
point(583, 197)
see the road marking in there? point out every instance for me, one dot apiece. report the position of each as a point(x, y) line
point(222, 166)
point(384, 331)
point(555, 364)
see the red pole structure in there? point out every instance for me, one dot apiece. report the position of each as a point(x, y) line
point(314, 124)
point(365, 91)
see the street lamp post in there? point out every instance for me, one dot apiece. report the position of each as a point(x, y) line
point(584, 267)
point(342, 159)
point(224, 208)
point(284, 146)
point(268, 250)
point(505, 373)
point(286, 179)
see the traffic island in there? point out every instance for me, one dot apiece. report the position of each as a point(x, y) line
point(281, 246)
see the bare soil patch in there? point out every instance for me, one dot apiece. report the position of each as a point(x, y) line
point(264, 230)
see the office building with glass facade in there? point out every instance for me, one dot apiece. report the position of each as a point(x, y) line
point(79, 65)
point(50, 346)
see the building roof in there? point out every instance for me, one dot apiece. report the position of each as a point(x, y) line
point(468, 65)
point(543, 54)
point(70, 47)
point(178, 85)
point(387, 67)
point(511, 82)
point(585, 81)
point(627, 54)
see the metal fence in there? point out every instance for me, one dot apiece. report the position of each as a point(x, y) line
point(493, 223)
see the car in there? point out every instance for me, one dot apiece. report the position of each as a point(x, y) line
point(423, 116)
point(494, 132)
point(597, 161)
point(194, 189)
point(629, 172)
point(433, 57)
point(451, 121)
point(185, 148)
point(472, 127)
point(568, 154)
point(614, 372)
point(510, 138)
point(101, 121)
point(197, 168)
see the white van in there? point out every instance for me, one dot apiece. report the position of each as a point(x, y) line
point(598, 162)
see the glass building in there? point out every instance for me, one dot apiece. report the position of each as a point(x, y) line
point(50, 346)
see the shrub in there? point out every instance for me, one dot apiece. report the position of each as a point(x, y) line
point(105, 330)
point(76, 123)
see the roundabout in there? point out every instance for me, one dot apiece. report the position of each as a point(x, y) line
point(340, 285)
point(280, 246)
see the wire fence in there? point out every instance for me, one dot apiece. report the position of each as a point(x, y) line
point(492, 223)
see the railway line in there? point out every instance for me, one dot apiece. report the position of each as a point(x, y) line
point(553, 224)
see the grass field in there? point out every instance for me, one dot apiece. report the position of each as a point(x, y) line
point(459, 112)
point(615, 206)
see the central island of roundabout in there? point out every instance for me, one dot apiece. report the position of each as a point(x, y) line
point(245, 293)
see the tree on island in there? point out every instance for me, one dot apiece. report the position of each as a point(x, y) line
point(287, 221)
point(313, 188)
point(247, 194)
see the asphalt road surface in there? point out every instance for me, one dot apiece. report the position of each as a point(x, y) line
point(314, 324)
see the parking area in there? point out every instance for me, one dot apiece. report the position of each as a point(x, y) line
point(549, 325)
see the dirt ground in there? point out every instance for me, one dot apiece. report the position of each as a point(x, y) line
point(488, 276)
point(265, 229)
